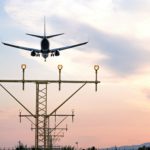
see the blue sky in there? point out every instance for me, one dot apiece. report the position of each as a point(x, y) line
point(118, 34)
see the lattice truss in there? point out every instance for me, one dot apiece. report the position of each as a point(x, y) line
point(41, 119)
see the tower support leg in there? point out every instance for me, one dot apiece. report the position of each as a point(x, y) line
point(41, 121)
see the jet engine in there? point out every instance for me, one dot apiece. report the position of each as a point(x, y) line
point(33, 53)
point(57, 53)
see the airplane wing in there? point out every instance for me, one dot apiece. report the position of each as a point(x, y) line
point(67, 47)
point(24, 48)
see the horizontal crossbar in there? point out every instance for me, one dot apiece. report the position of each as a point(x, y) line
point(48, 81)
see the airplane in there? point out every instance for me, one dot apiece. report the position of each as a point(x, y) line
point(45, 45)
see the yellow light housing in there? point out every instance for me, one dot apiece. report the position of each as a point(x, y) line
point(96, 67)
point(23, 66)
point(60, 67)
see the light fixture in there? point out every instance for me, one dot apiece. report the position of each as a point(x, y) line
point(96, 67)
point(23, 66)
point(60, 67)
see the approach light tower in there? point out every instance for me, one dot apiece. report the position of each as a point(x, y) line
point(43, 132)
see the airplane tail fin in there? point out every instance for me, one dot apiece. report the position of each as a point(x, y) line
point(45, 31)
point(44, 36)
point(44, 27)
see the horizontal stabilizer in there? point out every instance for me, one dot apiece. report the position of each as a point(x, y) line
point(50, 36)
point(38, 36)
point(54, 35)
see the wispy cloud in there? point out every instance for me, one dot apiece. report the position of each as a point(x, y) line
point(124, 55)
point(146, 92)
point(132, 6)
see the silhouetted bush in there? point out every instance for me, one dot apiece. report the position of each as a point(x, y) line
point(67, 148)
point(21, 147)
point(92, 148)
point(144, 148)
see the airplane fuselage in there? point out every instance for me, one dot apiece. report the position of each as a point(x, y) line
point(45, 47)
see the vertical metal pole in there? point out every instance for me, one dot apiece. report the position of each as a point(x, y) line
point(23, 72)
point(59, 68)
point(59, 79)
point(45, 135)
point(96, 68)
point(51, 143)
point(23, 66)
point(77, 145)
point(45, 120)
point(37, 116)
point(48, 138)
point(20, 116)
point(96, 80)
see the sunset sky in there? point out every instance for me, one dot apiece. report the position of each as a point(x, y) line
point(118, 32)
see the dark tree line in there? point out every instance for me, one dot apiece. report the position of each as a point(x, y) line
point(144, 148)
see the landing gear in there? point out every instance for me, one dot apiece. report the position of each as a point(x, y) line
point(38, 55)
point(55, 53)
point(52, 55)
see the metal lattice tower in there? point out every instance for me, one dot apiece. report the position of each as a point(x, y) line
point(41, 123)
point(43, 132)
